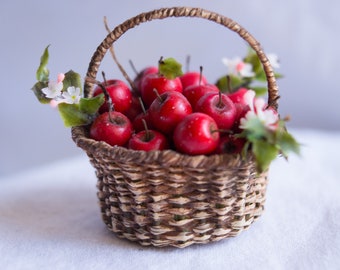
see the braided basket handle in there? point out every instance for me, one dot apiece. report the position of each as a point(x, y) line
point(183, 12)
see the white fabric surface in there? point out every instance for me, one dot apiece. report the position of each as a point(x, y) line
point(49, 219)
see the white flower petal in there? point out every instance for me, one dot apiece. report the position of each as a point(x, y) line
point(53, 90)
point(72, 95)
point(249, 99)
point(247, 70)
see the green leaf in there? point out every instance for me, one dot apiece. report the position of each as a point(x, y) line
point(43, 73)
point(287, 144)
point(264, 153)
point(278, 75)
point(72, 115)
point(72, 79)
point(254, 60)
point(39, 94)
point(259, 90)
point(254, 130)
point(235, 83)
point(170, 68)
point(91, 105)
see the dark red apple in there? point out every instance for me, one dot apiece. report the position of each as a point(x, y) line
point(192, 78)
point(120, 94)
point(161, 84)
point(229, 144)
point(148, 140)
point(219, 107)
point(167, 110)
point(196, 134)
point(194, 92)
point(137, 123)
point(113, 128)
point(135, 108)
point(143, 73)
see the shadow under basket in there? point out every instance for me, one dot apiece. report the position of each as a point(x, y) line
point(164, 198)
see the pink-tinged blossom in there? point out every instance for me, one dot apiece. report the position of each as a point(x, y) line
point(54, 88)
point(258, 109)
point(61, 77)
point(238, 67)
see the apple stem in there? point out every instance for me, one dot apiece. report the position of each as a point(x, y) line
point(222, 131)
point(160, 62)
point(107, 96)
point(201, 74)
point(147, 131)
point(220, 103)
point(122, 70)
point(187, 63)
point(142, 105)
point(158, 95)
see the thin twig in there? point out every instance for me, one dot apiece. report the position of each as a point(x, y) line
point(122, 70)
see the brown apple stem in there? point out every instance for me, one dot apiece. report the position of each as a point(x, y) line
point(107, 96)
point(158, 95)
point(142, 105)
point(220, 103)
point(226, 131)
point(122, 70)
point(201, 74)
point(187, 63)
point(147, 131)
point(160, 62)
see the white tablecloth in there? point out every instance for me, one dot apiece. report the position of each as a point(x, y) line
point(50, 219)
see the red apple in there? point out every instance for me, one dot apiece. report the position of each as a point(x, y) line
point(192, 78)
point(120, 94)
point(219, 107)
point(161, 84)
point(148, 140)
point(137, 123)
point(196, 134)
point(142, 74)
point(194, 92)
point(113, 128)
point(238, 96)
point(229, 144)
point(135, 108)
point(167, 110)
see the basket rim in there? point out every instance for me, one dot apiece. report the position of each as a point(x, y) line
point(166, 157)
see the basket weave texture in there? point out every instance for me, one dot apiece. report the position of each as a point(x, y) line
point(163, 198)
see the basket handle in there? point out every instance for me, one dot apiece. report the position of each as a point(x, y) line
point(162, 13)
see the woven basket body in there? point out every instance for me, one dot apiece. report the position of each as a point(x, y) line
point(163, 198)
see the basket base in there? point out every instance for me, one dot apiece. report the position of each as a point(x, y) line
point(210, 222)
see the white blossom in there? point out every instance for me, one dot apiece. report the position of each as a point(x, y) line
point(54, 88)
point(238, 67)
point(258, 109)
point(72, 95)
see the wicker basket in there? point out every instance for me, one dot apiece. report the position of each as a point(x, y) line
point(163, 198)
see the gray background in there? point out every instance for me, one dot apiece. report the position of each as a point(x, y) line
point(304, 33)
